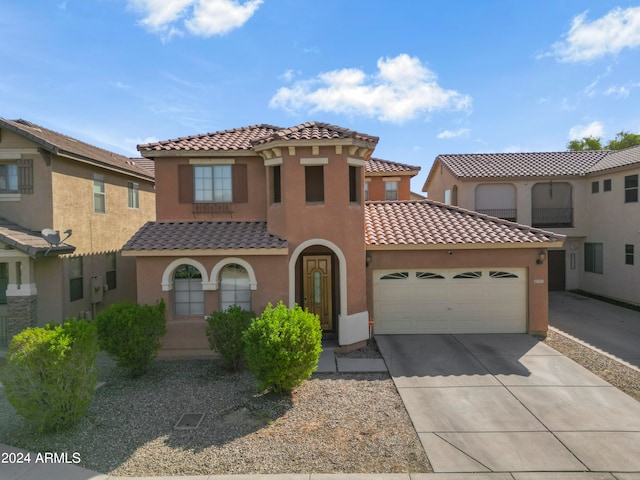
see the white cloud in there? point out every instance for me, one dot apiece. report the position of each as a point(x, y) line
point(578, 132)
point(401, 89)
point(201, 17)
point(609, 34)
point(289, 75)
point(620, 92)
point(461, 132)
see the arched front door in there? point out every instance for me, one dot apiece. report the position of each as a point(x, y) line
point(317, 288)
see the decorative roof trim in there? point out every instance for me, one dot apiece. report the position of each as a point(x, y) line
point(205, 252)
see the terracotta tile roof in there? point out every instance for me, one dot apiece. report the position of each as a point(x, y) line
point(60, 144)
point(315, 131)
point(427, 222)
point(618, 158)
point(235, 139)
point(203, 236)
point(245, 138)
point(385, 167)
point(29, 242)
point(536, 164)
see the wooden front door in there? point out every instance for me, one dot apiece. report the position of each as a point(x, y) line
point(318, 288)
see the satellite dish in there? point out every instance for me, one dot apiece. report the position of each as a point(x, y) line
point(53, 237)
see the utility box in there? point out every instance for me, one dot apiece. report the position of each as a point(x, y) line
point(97, 289)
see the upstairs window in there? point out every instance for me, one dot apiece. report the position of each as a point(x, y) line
point(314, 183)
point(133, 195)
point(391, 190)
point(595, 187)
point(354, 184)
point(631, 189)
point(606, 185)
point(99, 194)
point(4, 282)
point(213, 183)
point(9, 178)
point(276, 184)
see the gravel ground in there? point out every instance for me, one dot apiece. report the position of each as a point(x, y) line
point(332, 423)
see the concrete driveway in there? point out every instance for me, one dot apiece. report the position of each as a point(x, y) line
point(508, 403)
point(611, 329)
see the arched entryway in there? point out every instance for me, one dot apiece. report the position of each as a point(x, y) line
point(317, 281)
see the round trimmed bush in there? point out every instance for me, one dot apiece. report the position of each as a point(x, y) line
point(283, 346)
point(224, 332)
point(132, 334)
point(50, 373)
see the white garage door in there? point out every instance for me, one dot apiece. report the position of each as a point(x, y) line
point(450, 301)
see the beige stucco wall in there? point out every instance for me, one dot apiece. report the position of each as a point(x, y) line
point(73, 207)
point(613, 223)
point(33, 210)
point(538, 309)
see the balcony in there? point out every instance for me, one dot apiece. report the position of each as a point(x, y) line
point(510, 214)
point(552, 217)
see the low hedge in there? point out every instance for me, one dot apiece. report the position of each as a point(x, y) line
point(132, 334)
point(50, 373)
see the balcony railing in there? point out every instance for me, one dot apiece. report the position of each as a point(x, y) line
point(510, 214)
point(552, 217)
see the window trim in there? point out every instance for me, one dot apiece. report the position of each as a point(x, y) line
point(629, 254)
point(76, 283)
point(594, 257)
point(98, 182)
point(631, 192)
point(391, 192)
point(133, 195)
point(225, 193)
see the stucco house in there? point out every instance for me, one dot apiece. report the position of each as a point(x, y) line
point(51, 181)
point(260, 214)
point(590, 197)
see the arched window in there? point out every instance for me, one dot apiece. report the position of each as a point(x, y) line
point(187, 291)
point(235, 288)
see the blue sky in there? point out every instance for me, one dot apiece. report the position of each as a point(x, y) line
point(427, 77)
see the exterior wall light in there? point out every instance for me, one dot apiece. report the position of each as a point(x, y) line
point(367, 259)
point(541, 256)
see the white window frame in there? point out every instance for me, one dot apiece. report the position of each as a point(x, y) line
point(99, 194)
point(391, 189)
point(213, 183)
point(133, 195)
point(9, 178)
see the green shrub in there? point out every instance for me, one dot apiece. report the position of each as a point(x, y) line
point(131, 334)
point(283, 346)
point(225, 330)
point(50, 373)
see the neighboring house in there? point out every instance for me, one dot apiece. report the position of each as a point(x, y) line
point(264, 214)
point(385, 180)
point(591, 197)
point(51, 181)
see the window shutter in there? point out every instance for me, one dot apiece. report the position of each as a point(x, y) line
point(185, 183)
point(240, 186)
point(25, 175)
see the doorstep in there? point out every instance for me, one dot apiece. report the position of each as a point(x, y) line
point(329, 363)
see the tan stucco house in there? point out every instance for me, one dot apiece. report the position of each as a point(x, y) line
point(306, 215)
point(590, 197)
point(49, 181)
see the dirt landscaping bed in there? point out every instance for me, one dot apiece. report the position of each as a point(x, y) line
point(351, 423)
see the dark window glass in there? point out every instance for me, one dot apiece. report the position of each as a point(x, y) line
point(593, 261)
point(314, 183)
point(631, 188)
point(595, 187)
point(606, 185)
point(354, 184)
point(628, 254)
point(277, 184)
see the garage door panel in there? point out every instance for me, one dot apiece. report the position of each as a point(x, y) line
point(450, 301)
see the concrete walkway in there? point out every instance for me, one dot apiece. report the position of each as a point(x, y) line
point(610, 329)
point(508, 403)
